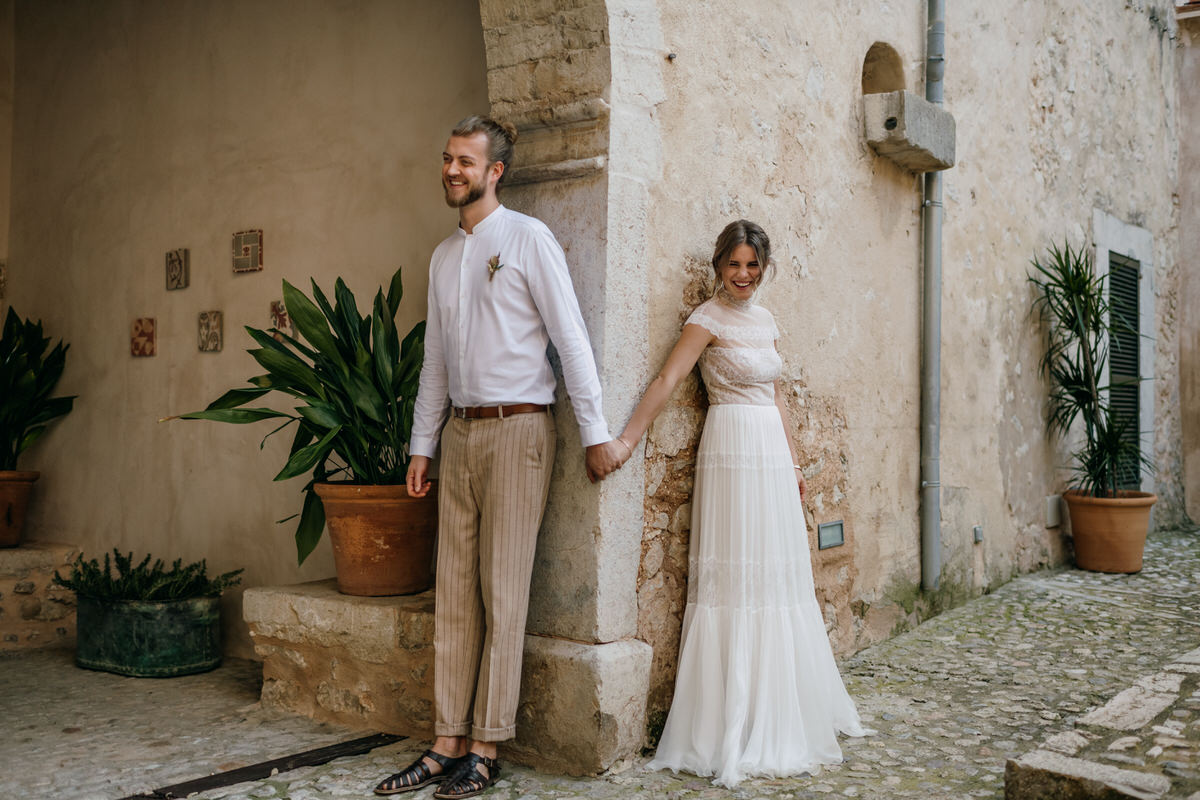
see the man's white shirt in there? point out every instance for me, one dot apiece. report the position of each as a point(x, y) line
point(487, 329)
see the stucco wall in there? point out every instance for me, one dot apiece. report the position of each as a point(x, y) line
point(144, 127)
point(6, 99)
point(1061, 108)
point(1189, 258)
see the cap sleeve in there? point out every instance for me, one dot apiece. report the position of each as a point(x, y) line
point(703, 317)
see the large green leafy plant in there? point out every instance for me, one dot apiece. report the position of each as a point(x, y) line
point(29, 371)
point(1080, 322)
point(143, 581)
point(356, 382)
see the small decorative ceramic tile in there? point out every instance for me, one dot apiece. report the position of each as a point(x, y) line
point(248, 251)
point(281, 323)
point(141, 337)
point(211, 337)
point(177, 268)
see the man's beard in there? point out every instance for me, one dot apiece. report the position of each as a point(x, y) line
point(474, 192)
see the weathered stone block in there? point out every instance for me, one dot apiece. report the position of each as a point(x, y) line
point(1042, 774)
point(915, 133)
point(582, 706)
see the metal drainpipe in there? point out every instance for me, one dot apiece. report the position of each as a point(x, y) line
point(931, 345)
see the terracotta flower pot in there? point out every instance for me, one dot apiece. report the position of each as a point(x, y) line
point(15, 487)
point(1109, 532)
point(383, 540)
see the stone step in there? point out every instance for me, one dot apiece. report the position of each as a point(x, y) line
point(367, 662)
point(1144, 743)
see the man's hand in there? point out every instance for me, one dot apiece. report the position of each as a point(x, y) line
point(417, 479)
point(604, 458)
point(802, 485)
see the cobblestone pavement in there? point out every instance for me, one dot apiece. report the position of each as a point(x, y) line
point(951, 701)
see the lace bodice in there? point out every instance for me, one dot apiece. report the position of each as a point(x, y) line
point(741, 364)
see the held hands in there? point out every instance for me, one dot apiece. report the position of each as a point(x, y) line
point(603, 459)
point(801, 484)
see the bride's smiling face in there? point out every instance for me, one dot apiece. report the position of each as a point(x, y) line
point(741, 274)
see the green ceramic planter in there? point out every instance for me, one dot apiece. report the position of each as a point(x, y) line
point(149, 640)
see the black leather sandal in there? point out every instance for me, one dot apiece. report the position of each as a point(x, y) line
point(467, 780)
point(418, 774)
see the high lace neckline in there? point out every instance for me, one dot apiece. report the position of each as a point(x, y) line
point(723, 295)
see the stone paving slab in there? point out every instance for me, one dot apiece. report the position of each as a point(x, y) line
point(952, 701)
point(74, 733)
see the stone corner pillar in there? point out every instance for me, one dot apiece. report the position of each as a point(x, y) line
point(583, 104)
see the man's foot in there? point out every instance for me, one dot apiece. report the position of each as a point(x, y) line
point(474, 774)
point(429, 768)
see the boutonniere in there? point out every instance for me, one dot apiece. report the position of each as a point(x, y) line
point(494, 266)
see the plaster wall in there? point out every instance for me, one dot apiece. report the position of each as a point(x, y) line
point(6, 128)
point(140, 128)
point(1189, 259)
point(1062, 108)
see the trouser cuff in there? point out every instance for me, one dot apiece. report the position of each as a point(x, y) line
point(493, 734)
point(452, 729)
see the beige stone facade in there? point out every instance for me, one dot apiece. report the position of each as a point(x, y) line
point(646, 125)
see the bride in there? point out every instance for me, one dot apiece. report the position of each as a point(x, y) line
point(757, 691)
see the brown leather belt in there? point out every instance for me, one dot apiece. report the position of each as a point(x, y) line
point(489, 412)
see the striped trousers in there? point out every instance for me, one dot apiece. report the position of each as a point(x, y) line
point(493, 483)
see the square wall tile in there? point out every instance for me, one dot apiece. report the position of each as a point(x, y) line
point(177, 268)
point(281, 323)
point(211, 336)
point(141, 337)
point(248, 251)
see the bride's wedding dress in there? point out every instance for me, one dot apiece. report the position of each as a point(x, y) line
point(757, 690)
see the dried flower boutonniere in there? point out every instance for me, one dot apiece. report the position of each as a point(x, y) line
point(494, 266)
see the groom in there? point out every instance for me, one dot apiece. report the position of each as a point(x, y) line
point(499, 292)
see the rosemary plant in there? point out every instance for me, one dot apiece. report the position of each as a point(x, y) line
point(143, 581)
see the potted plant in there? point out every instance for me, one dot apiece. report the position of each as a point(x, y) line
point(1108, 524)
point(29, 371)
point(356, 383)
point(144, 620)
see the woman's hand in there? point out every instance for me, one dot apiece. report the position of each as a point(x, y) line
point(801, 484)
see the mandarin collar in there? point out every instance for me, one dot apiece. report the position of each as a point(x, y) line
point(485, 223)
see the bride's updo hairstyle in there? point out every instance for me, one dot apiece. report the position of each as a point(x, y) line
point(742, 231)
point(501, 138)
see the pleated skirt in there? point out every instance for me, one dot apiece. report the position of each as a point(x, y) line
point(757, 690)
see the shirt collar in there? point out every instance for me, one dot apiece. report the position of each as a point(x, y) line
point(485, 223)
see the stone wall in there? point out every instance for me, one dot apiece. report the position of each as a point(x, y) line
point(141, 128)
point(1062, 109)
point(1189, 258)
point(33, 611)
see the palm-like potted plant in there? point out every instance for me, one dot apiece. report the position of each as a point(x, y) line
point(1108, 524)
point(356, 383)
point(29, 371)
